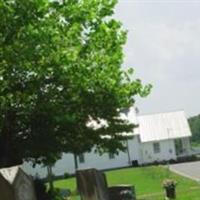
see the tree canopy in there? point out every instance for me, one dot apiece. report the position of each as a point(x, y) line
point(60, 67)
point(195, 128)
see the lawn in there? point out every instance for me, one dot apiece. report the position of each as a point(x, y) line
point(147, 182)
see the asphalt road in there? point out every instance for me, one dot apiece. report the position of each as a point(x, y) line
point(190, 169)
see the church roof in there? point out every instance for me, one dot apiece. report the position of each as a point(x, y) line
point(163, 126)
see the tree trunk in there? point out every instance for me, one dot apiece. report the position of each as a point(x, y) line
point(8, 154)
point(76, 162)
point(50, 178)
point(6, 149)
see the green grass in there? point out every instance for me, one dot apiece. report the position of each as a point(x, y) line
point(147, 182)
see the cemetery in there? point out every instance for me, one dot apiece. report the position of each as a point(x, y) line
point(147, 183)
point(70, 127)
point(142, 183)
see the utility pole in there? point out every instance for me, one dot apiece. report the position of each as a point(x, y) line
point(168, 137)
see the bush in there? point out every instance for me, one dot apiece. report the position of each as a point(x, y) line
point(42, 193)
point(169, 183)
point(66, 175)
point(55, 195)
point(187, 158)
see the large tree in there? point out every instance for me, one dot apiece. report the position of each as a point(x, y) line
point(60, 68)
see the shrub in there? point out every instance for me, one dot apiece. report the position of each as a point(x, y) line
point(55, 195)
point(169, 183)
point(66, 175)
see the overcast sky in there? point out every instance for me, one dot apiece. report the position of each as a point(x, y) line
point(164, 49)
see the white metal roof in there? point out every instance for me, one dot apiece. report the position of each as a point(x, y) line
point(163, 126)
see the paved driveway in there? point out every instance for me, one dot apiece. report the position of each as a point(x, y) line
point(190, 169)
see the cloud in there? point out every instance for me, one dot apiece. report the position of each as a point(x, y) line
point(164, 49)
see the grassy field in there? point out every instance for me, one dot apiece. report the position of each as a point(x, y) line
point(147, 182)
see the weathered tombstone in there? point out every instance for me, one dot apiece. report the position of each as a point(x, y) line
point(15, 184)
point(170, 193)
point(92, 185)
point(122, 192)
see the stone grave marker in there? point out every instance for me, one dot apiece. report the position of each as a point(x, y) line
point(15, 184)
point(122, 192)
point(92, 185)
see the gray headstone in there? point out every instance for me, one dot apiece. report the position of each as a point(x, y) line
point(15, 184)
point(92, 185)
point(122, 192)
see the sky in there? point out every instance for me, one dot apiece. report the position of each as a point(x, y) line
point(163, 47)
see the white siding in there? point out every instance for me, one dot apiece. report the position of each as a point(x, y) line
point(167, 151)
point(142, 152)
point(66, 164)
point(92, 160)
point(135, 149)
point(97, 161)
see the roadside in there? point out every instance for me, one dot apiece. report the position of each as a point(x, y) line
point(190, 170)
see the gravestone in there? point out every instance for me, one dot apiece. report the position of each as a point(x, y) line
point(122, 192)
point(15, 184)
point(92, 185)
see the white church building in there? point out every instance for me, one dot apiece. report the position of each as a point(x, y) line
point(158, 137)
